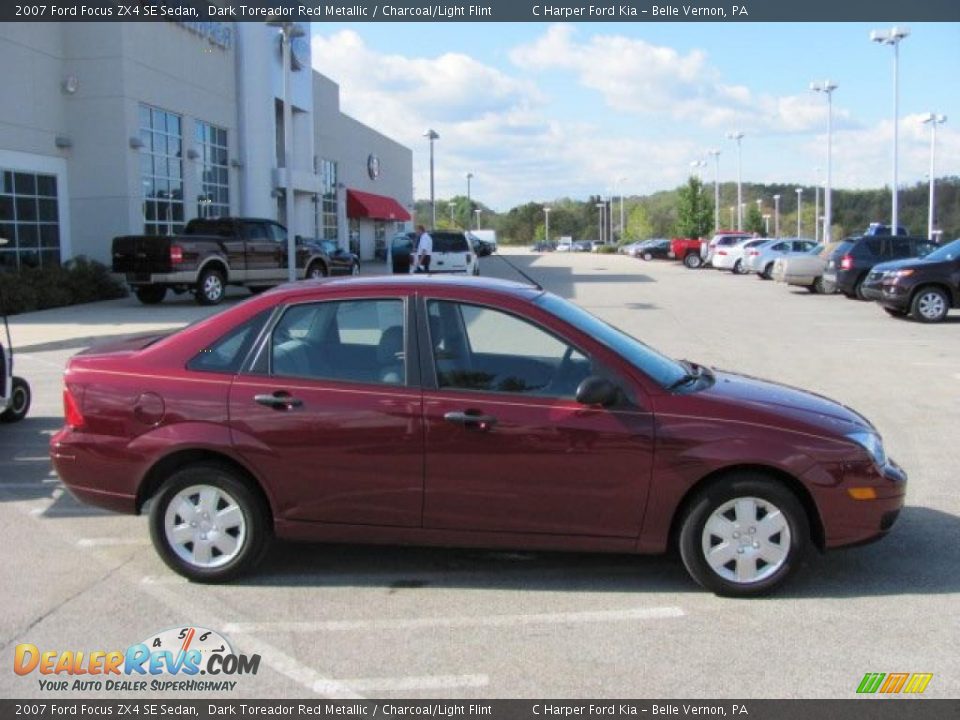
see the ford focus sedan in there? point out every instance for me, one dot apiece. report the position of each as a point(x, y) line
point(461, 412)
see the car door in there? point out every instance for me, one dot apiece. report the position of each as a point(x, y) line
point(329, 413)
point(508, 448)
point(263, 254)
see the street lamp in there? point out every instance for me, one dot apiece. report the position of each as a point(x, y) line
point(799, 201)
point(827, 88)
point(716, 188)
point(934, 119)
point(620, 182)
point(733, 219)
point(469, 204)
point(477, 213)
point(816, 208)
point(600, 211)
point(893, 36)
point(546, 214)
point(776, 215)
point(766, 224)
point(288, 31)
point(432, 135)
point(738, 136)
point(698, 166)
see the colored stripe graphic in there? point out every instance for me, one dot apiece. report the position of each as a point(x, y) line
point(894, 682)
point(870, 682)
point(918, 682)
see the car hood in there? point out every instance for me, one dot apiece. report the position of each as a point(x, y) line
point(776, 398)
point(892, 265)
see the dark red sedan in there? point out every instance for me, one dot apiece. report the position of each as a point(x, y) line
point(466, 412)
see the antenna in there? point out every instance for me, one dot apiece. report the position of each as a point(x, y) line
point(520, 272)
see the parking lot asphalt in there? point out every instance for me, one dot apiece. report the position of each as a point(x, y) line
point(349, 621)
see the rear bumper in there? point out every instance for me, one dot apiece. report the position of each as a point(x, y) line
point(97, 470)
point(182, 277)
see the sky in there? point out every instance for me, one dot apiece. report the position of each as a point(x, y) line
point(540, 111)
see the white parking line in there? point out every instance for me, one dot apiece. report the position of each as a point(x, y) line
point(587, 616)
point(110, 542)
point(402, 684)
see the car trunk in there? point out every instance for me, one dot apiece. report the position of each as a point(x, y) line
point(141, 255)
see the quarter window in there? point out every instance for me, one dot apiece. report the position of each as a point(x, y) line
point(478, 348)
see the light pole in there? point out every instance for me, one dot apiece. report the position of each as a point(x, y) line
point(477, 213)
point(766, 223)
point(738, 136)
point(934, 119)
point(776, 215)
point(432, 135)
point(546, 214)
point(716, 188)
point(799, 207)
point(816, 207)
point(698, 166)
point(893, 36)
point(827, 88)
point(469, 204)
point(620, 182)
point(600, 210)
point(288, 31)
point(733, 219)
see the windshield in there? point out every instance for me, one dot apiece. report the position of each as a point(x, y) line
point(663, 370)
point(950, 251)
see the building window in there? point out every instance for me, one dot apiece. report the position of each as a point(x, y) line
point(29, 220)
point(161, 171)
point(329, 227)
point(380, 240)
point(213, 181)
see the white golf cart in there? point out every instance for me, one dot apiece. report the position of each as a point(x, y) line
point(14, 391)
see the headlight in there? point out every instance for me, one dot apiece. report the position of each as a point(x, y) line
point(873, 444)
point(906, 272)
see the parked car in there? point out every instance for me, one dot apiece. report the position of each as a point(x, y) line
point(805, 269)
point(631, 249)
point(724, 239)
point(393, 410)
point(481, 247)
point(342, 262)
point(925, 288)
point(848, 266)
point(543, 246)
point(209, 255)
point(582, 245)
point(760, 259)
point(451, 253)
point(876, 228)
point(729, 256)
point(654, 248)
point(689, 251)
point(564, 244)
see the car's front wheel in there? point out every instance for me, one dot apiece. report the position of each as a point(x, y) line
point(19, 401)
point(207, 524)
point(648, 256)
point(693, 261)
point(930, 305)
point(744, 535)
point(211, 287)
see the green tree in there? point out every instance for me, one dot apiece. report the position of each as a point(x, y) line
point(694, 210)
point(754, 221)
point(638, 223)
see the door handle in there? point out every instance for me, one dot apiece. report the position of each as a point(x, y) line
point(279, 400)
point(471, 419)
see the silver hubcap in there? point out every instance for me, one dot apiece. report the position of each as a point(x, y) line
point(212, 287)
point(205, 526)
point(931, 305)
point(746, 540)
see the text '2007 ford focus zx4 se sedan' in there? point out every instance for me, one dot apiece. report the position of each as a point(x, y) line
point(461, 412)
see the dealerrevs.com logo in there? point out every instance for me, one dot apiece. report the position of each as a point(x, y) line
point(175, 660)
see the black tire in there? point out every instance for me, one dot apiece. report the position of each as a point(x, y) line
point(818, 286)
point(150, 294)
point(255, 537)
point(767, 273)
point(316, 270)
point(211, 287)
point(744, 485)
point(738, 267)
point(693, 261)
point(858, 289)
point(893, 312)
point(648, 256)
point(929, 305)
point(20, 397)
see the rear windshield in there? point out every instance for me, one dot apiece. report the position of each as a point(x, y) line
point(209, 227)
point(450, 242)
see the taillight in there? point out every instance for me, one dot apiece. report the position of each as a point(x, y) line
point(753, 253)
point(71, 410)
point(176, 254)
point(846, 262)
point(721, 252)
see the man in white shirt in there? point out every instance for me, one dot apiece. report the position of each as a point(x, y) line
point(424, 250)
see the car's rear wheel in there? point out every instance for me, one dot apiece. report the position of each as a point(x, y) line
point(316, 270)
point(767, 272)
point(858, 290)
point(207, 525)
point(930, 305)
point(210, 287)
point(744, 535)
point(738, 267)
point(692, 261)
point(818, 286)
point(647, 256)
point(150, 294)
point(19, 401)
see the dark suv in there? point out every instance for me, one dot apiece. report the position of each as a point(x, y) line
point(926, 288)
point(851, 261)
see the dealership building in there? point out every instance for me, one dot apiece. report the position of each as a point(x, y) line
point(127, 128)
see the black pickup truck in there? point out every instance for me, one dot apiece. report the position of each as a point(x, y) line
point(213, 253)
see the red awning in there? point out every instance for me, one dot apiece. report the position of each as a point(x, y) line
point(377, 207)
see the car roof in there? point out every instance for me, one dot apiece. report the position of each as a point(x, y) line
point(407, 282)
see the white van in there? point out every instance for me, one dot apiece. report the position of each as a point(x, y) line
point(451, 253)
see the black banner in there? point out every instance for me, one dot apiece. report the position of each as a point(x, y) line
point(485, 11)
point(858, 709)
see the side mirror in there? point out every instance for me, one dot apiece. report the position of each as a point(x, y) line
point(596, 390)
